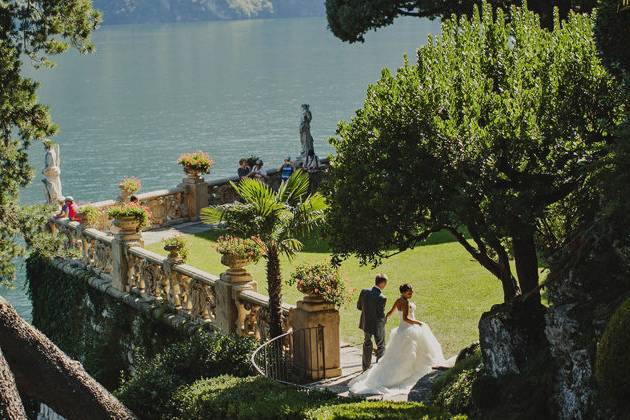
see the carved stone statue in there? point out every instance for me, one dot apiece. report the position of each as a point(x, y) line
point(306, 139)
point(52, 173)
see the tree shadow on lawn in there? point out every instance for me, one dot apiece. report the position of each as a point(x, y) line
point(315, 243)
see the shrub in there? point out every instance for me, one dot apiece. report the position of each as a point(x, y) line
point(453, 389)
point(89, 215)
point(140, 213)
point(254, 397)
point(177, 243)
point(380, 410)
point(149, 391)
point(130, 184)
point(199, 162)
point(612, 364)
point(322, 280)
point(245, 249)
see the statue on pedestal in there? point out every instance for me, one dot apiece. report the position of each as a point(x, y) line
point(52, 173)
point(306, 139)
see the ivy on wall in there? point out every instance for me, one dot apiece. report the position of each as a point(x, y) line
point(104, 334)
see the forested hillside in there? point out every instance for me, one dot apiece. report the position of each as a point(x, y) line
point(154, 11)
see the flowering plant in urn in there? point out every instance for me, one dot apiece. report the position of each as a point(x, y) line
point(130, 185)
point(321, 280)
point(234, 248)
point(196, 163)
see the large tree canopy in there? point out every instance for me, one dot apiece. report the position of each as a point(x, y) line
point(350, 20)
point(34, 30)
point(497, 123)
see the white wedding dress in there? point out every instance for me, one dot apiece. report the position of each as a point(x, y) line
point(411, 352)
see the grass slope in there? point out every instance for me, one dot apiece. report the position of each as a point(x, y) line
point(451, 289)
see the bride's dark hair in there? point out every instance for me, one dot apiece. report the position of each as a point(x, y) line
point(404, 288)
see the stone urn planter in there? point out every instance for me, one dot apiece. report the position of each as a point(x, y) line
point(234, 262)
point(174, 253)
point(127, 224)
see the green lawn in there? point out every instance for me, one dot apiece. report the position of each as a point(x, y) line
point(451, 290)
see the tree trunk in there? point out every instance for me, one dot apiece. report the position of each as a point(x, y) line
point(274, 286)
point(11, 407)
point(526, 262)
point(45, 373)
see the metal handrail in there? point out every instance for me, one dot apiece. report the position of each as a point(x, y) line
point(264, 346)
point(284, 365)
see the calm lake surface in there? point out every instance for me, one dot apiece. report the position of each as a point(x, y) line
point(233, 89)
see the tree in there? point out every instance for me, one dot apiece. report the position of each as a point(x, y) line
point(34, 30)
point(276, 218)
point(499, 121)
point(350, 20)
point(45, 373)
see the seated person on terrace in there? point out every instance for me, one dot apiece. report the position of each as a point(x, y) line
point(258, 172)
point(68, 210)
point(243, 169)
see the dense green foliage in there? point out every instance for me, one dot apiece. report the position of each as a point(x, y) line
point(453, 389)
point(274, 219)
point(32, 30)
point(151, 11)
point(366, 410)
point(245, 398)
point(613, 34)
point(612, 367)
point(149, 390)
point(350, 20)
point(503, 121)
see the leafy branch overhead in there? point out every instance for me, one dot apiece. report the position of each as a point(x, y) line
point(32, 30)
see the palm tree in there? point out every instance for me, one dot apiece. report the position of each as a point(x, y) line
point(276, 218)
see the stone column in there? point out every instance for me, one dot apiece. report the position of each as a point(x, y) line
point(126, 235)
point(316, 350)
point(196, 191)
point(229, 317)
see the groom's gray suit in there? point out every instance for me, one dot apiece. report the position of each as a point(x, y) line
point(371, 303)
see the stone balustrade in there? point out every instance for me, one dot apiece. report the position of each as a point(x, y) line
point(230, 303)
point(253, 314)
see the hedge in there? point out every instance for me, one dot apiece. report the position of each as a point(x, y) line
point(380, 410)
point(612, 366)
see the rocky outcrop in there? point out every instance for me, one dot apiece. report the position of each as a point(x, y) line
point(157, 11)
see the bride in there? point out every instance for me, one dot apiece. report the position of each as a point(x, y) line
point(411, 353)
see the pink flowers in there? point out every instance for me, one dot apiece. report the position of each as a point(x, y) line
point(322, 280)
point(245, 249)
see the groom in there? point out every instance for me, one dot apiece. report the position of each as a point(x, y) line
point(371, 303)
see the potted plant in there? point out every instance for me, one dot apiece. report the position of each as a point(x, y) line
point(128, 186)
point(129, 216)
point(320, 283)
point(89, 216)
point(177, 248)
point(195, 163)
point(237, 253)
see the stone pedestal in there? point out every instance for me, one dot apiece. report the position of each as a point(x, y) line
point(196, 191)
point(125, 236)
point(229, 319)
point(316, 351)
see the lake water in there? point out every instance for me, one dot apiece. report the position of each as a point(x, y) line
point(233, 89)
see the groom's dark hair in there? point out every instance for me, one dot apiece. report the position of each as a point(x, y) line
point(380, 279)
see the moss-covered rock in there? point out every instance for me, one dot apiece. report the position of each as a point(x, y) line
point(612, 367)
